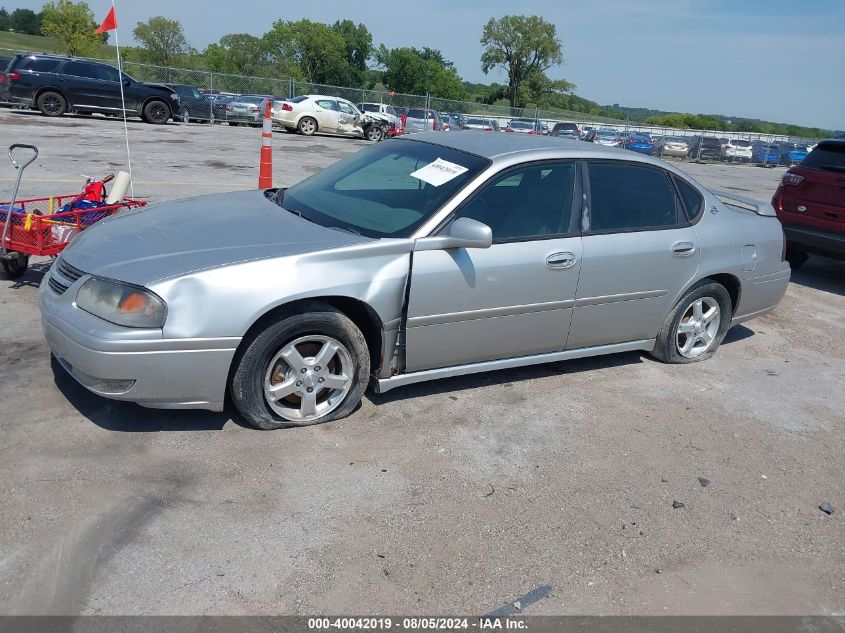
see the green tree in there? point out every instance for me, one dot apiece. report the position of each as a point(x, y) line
point(164, 40)
point(525, 47)
point(318, 51)
point(414, 71)
point(73, 24)
point(5, 21)
point(240, 54)
point(359, 46)
point(25, 21)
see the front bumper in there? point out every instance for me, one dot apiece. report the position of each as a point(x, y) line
point(164, 373)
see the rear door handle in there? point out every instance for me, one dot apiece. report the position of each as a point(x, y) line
point(683, 249)
point(561, 260)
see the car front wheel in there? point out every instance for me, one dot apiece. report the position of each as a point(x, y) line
point(310, 366)
point(157, 112)
point(694, 329)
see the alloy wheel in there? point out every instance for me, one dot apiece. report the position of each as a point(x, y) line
point(698, 328)
point(308, 378)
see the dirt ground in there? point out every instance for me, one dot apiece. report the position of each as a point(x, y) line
point(457, 496)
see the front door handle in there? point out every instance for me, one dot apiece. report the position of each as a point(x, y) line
point(561, 260)
point(683, 249)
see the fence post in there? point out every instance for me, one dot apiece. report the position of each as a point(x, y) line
point(211, 99)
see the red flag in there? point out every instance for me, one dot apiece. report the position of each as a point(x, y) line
point(109, 24)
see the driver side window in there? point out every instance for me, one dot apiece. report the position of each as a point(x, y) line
point(529, 202)
point(327, 104)
point(347, 108)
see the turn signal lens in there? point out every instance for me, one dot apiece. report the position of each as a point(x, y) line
point(122, 304)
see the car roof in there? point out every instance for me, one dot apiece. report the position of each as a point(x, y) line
point(496, 146)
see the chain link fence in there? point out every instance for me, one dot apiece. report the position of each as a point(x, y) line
point(206, 96)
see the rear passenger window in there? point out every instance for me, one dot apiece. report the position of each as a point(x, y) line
point(628, 197)
point(40, 65)
point(692, 199)
point(81, 69)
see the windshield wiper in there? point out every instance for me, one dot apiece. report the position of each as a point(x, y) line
point(345, 229)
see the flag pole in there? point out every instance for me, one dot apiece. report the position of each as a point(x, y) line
point(123, 108)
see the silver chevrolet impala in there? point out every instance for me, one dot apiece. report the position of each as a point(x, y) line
point(411, 260)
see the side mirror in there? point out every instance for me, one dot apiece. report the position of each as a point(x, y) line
point(127, 83)
point(462, 233)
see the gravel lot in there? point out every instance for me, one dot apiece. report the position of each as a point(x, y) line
point(456, 496)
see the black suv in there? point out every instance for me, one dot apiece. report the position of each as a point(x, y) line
point(54, 85)
point(705, 147)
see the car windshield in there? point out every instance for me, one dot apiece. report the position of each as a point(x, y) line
point(385, 190)
point(826, 156)
point(522, 125)
point(741, 143)
point(370, 107)
point(475, 122)
point(250, 99)
point(419, 114)
point(673, 139)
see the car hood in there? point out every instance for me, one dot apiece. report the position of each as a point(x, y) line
point(175, 238)
point(161, 87)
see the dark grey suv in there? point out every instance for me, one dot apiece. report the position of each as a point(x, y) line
point(54, 85)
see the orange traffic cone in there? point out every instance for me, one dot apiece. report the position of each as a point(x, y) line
point(265, 168)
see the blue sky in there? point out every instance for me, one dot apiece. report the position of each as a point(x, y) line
point(778, 60)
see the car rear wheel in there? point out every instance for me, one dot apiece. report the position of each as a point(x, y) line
point(307, 126)
point(51, 104)
point(157, 112)
point(795, 257)
point(694, 329)
point(310, 366)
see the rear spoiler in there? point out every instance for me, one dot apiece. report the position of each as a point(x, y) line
point(746, 204)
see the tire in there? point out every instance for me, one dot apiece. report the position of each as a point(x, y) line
point(15, 267)
point(375, 133)
point(260, 365)
point(307, 126)
point(233, 123)
point(795, 257)
point(705, 335)
point(51, 103)
point(157, 112)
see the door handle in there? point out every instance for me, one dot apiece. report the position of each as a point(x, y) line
point(683, 249)
point(561, 260)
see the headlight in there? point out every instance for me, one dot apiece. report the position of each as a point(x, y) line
point(122, 304)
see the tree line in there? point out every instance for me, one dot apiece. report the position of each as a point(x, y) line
point(524, 48)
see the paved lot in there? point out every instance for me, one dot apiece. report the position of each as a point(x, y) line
point(454, 496)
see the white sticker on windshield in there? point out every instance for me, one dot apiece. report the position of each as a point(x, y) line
point(439, 172)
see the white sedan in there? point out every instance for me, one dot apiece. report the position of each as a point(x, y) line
point(310, 114)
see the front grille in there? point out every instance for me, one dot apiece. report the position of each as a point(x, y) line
point(55, 286)
point(69, 272)
point(62, 276)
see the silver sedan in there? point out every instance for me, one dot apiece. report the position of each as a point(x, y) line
point(411, 260)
